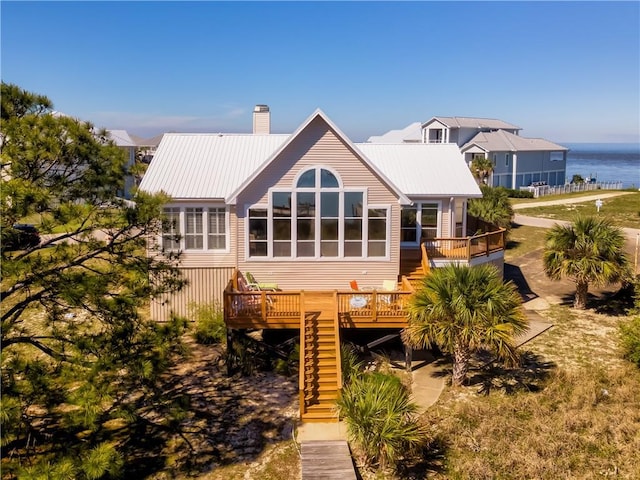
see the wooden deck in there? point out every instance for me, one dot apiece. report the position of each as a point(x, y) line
point(327, 460)
point(366, 309)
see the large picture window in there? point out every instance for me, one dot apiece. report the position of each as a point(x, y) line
point(318, 218)
point(195, 228)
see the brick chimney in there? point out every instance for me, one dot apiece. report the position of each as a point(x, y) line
point(261, 120)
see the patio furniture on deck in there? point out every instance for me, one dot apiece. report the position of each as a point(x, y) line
point(252, 282)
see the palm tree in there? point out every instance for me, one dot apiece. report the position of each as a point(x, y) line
point(494, 206)
point(589, 251)
point(462, 309)
point(481, 167)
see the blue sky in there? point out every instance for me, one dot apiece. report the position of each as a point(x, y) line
point(568, 72)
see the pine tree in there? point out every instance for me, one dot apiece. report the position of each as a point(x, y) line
point(78, 346)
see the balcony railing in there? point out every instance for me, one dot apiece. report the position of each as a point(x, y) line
point(484, 240)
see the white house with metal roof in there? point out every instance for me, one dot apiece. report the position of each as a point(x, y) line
point(518, 161)
point(310, 210)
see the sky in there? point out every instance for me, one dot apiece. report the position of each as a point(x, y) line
point(564, 71)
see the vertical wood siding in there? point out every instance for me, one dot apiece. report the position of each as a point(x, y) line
point(205, 286)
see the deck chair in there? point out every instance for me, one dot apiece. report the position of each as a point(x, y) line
point(388, 286)
point(248, 303)
point(260, 285)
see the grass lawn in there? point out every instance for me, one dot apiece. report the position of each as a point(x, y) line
point(623, 211)
point(576, 195)
point(523, 239)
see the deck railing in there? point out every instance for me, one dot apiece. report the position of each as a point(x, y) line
point(486, 240)
point(285, 309)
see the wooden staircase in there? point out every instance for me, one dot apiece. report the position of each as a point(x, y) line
point(320, 369)
point(414, 265)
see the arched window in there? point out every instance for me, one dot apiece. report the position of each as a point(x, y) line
point(319, 218)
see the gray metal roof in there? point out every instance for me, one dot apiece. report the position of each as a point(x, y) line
point(121, 138)
point(422, 169)
point(474, 122)
point(501, 141)
point(206, 165)
point(410, 133)
point(218, 166)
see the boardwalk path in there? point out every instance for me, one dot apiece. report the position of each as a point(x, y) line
point(327, 460)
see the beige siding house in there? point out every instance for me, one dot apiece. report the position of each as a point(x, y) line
point(309, 211)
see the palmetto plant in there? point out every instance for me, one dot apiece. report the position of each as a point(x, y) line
point(380, 419)
point(462, 309)
point(481, 167)
point(589, 251)
point(494, 206)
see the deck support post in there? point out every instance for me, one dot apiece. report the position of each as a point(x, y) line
point(408, 357)
point(229, 354)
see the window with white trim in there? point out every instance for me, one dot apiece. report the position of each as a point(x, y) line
point(193, 232)
point(217, 228)
point(171, 229)
point(419, 222)
point(318, 218)
point(195, 228)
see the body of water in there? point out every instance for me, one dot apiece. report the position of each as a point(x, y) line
point(607, 162)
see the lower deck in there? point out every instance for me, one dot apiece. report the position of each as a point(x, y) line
point(280, 309)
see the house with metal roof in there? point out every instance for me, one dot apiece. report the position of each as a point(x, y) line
point(518, 161)
point(335, 234)
point(310, 210)
point(123, 140)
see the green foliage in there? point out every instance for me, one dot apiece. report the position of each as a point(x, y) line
point(481, 168)
point(462, 309)
point(210, 327)
point(577, 178)
point(352, 366)
point(494, 206)
point(630, 339)
point(381, 420)
point(78, 348)
point(513, 193)
point(589, 251)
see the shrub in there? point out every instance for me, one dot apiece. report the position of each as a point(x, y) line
point(381, 420)
point(352, 366)
point(513, 193)
point(210, 326)
point(630, 339)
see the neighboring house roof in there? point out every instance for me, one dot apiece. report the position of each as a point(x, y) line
point(319, 114)
point(121, 138)
point(501, 141)
point(473, 122)
point(206, 165)
point(410, 133)
point(147, 142)
point(422, 169)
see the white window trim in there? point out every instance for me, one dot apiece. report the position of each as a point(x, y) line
point(293, 190)
point(205, 228)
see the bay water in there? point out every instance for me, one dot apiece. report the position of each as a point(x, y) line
point(606, 162)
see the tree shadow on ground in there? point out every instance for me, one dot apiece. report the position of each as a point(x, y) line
point(428, 461)
point(617, 304)
point(514, 273)
point(219, 421)
point(530, 375)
